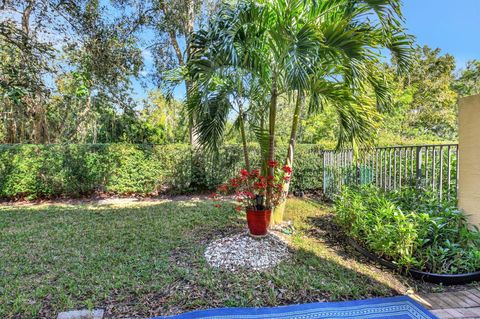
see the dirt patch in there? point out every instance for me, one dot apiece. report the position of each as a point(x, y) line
point(103, 200)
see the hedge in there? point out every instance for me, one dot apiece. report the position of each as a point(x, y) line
point(70, 170)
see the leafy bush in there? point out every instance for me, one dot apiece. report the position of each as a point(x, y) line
point(42, 171)
point(411, 228)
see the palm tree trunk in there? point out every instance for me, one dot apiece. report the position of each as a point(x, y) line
point(244, 138)
point(277, 216)
point(293, 133)
point(263, 156)
point(271, 136)
point(189, 25)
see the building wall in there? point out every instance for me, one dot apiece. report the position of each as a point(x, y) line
point(469, 146)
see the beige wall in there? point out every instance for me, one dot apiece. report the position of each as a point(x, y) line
point(469, 146)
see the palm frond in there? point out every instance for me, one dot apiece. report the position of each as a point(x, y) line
point(211, 116)
point(262, 136)
point(330, 49)
point(358, 124)
point(401, 47)
point(301, 52)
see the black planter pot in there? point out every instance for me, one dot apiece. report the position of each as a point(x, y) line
point(445, 279)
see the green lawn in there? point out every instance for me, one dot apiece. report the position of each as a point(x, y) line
point(146, 259)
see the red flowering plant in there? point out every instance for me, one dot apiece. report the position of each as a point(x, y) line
point(249, 188)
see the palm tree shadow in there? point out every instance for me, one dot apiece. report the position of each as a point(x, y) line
point(330, 280)
point(324, 229)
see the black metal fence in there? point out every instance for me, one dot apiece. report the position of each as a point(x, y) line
point(430, 166)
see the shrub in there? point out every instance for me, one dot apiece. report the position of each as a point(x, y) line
point(42, 171)
point(411, 228)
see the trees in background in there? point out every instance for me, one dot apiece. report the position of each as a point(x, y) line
point(62, 62)
point(468, 81)
point(23, 63)
point(173, 23)
point(424, 106)
point(165, 122)
point(432, 110)
point(67, 71)
point(426, 99)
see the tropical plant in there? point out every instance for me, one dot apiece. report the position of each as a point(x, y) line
point(327, 51)
point(411, 228)
point(249, 187)
point(218, 94)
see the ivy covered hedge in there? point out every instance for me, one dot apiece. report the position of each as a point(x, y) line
point(43, 171)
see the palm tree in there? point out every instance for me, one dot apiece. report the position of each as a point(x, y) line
point(214, 96)
point(326, 52)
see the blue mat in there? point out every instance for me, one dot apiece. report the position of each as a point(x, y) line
point(401, 307)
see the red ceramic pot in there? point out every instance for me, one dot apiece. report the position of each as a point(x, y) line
point(258, 221)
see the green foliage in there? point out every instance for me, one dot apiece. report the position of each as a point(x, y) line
point(43, 171)
point(307, 173)
point(411, 228)
point(75, 86)
point(331, 62)
point(468, 81)
point(163, 121)
point(56, 88)
point(425, 103)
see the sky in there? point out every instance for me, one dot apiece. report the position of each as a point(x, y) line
point(452, 25)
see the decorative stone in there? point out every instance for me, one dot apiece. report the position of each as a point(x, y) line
point(244, 252)
point(81, 314)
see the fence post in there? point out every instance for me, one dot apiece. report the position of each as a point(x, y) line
point(418, 171)
point(358, 177)
point(413, 162)
point(324, 174)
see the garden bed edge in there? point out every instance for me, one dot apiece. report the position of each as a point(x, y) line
point(446, 279)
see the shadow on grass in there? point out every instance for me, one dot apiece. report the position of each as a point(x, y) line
point(324, 228)
point(147, 260)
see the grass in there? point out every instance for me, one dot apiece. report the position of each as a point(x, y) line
point(146, 259)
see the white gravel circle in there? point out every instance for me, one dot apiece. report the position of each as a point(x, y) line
point(245, 252)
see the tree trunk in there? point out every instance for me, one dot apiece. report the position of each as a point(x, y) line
point(190, 16)
point(189, 24)
point(263, 156)
point(11, 124)
point(38, 116)
point(244, 138)
point(83, 118)
point(198, 168)
point(293, 134)
point(277, 216)
point(191, 121)
point(183, 58)
point(26, 19)
point(271, 136)
point(176, 47)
